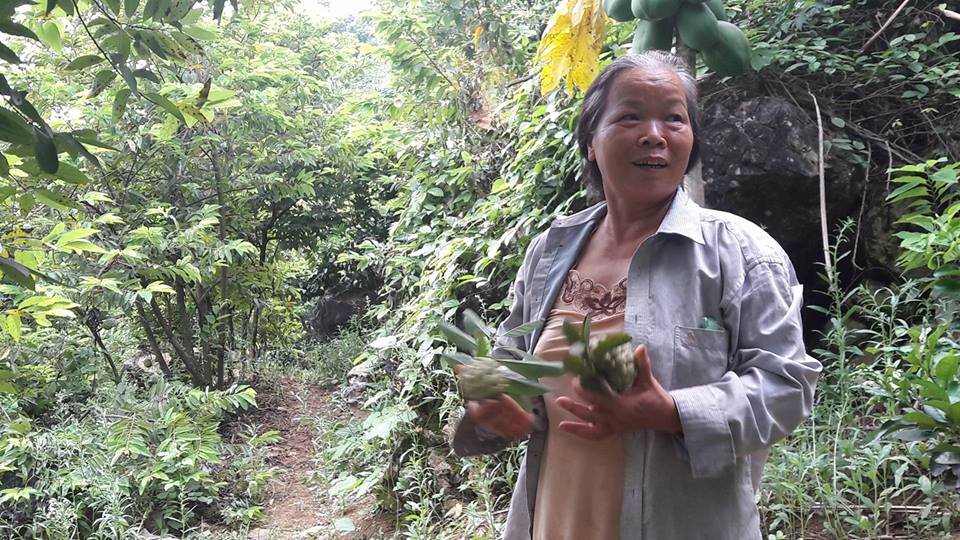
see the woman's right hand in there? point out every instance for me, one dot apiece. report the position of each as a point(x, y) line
point(502, 416)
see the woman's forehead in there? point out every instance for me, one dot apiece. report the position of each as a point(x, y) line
point(641, 84)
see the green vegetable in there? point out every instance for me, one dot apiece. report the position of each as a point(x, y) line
point(653, 35)
point(697, 26)
point(730, 56)
point(603, 364)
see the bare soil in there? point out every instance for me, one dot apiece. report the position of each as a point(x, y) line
point(297, 505)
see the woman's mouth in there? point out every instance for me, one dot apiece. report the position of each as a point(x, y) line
point(650, 164)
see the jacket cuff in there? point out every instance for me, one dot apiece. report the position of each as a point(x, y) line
point(706, 435)
point(472, 440)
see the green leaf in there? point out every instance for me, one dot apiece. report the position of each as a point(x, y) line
point(457, 359)
point(17, 273)
point(83, 62)
point(120, 104)
point(523, 387)
point(144, 73)
point(14, 324)
point(75, 234)
point(473, 324)
point(66, 6)
point(50, 36)
point(920, 419)
point(13, 129)
point(188, 43)
point(68, 142)
point(534, 369)
point(17, 29)
point(130, 7)
point(458, 338)
point(101, 81)
point(7, 54)
point(197, 32)
point(947, 367)
point(167, 105)
point(45, 151)
point(55, 200)
point(954, 414)
point(524, 329)
point(150, 9)
point(907, 191)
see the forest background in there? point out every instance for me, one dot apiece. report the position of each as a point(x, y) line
point(192, 193)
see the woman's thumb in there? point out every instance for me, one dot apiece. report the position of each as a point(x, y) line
point(642, 361)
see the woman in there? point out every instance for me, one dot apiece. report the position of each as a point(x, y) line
point(713, 306)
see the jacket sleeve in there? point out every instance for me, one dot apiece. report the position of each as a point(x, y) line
point(470, 439)
point(769, 389)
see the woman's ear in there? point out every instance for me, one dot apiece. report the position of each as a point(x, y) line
point(591, 156)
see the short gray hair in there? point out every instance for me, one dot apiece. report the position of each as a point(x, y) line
point(596, 99)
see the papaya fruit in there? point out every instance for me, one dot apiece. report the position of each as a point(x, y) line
point(618, 10)
point(653, 35)
point(655, 10)
point(730, 55)
point(697, 26)
point(716, 6)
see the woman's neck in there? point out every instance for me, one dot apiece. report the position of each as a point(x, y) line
point(629, 223)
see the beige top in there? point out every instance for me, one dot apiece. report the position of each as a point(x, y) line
point(581, 481)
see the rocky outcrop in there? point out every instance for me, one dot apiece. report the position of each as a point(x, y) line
point(760, 161)
point(333, 311)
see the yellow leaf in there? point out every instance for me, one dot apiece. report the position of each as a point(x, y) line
point(570, 48)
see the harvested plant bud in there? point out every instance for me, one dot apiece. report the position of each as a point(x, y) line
point(483, 379)
point(603, 364)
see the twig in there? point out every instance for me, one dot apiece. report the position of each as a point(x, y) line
point(823, 196)
point(863, 200)
point(884, 27)
point(889, 169)
point(521, 80)
point(949, 13)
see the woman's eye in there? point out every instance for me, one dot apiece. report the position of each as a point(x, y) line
point(630, 117)
point(675, 118)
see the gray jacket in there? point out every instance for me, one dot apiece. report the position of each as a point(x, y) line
point(738, 390)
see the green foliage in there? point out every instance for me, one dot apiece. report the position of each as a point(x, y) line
point(151, 460)
point(933, 201)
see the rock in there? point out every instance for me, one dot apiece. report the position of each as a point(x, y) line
point(144, 362)
point(333, 311)
point(760, 161)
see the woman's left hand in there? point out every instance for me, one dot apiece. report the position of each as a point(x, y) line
point(645, 406)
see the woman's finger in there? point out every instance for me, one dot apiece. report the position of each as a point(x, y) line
point(586, 430)
point(578, 409)
point(601, 402)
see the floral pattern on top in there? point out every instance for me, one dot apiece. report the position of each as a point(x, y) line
point(592, 298)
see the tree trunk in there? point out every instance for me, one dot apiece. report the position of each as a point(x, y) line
point(152, 340)
point(693, 181)
point(196, 372)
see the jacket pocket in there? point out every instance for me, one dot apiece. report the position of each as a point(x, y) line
point(699, 356)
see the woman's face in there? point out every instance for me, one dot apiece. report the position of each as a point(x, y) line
point(643, 138)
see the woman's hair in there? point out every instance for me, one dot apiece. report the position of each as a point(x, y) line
point(596, 99)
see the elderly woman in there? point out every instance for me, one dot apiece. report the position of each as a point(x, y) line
point(713, 306)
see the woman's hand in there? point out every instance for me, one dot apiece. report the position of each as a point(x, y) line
point(502, 416)
point(645, 406)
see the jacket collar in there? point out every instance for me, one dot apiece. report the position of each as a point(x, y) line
point(683, 217)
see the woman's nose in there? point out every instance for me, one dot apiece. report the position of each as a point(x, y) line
point(651, 135)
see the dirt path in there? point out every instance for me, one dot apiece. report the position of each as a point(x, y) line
point(291, 505)
point(297, 506)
